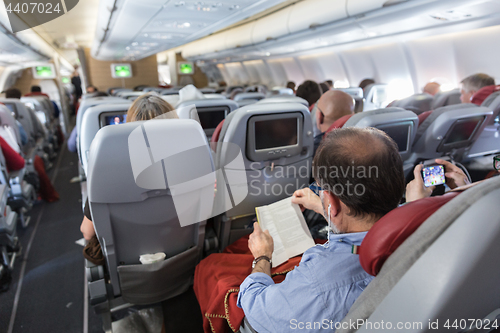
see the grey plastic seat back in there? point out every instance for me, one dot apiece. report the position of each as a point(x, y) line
point(127, 94)
point(172, 99)
point(446, 98)
point(7, 119)
point(210, 112)
point(214, 96)
point(353, 91)
point(90, 102)
point(450, 130)
point(436, 274)
point(376, 97)
point(118, 90)
point(493, 102)
point(417, 103)
point(39, 105)
point(401, 125)
point(282, 170)
point(207, 90)
point(146, 197)
point(24, 117)
point(278, 99)
point(91, 123)
point(488, 141)
point(254, 96)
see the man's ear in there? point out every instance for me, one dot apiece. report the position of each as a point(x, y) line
point(331, 199)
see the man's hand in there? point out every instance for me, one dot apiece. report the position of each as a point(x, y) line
point(455, 176)
point(306, 199)
point(260, 242)
point(415, 189)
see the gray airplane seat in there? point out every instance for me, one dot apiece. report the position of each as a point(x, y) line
point(275, 144)
point(21, 194)
point(8, 120)
point(417, 103)
point(94, 119)
point(283, 99)
point(247, 98)
point(446, 98)
point(210, 112)
point(9, 242)
point(401, 125)
point(21, 113)
point(376, 97)
point(435, 275)
point(488, 141)
point(150, 189)
point(90, 102)
point(449, 131)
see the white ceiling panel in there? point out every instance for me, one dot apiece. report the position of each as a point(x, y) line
point(161, 25)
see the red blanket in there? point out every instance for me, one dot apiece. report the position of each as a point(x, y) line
point(217, 282)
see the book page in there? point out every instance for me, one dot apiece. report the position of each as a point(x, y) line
point(266, 223)
point(288, 228)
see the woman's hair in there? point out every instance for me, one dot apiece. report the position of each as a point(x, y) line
point(150, 106)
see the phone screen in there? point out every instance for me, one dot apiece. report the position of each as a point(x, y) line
point(433, 175)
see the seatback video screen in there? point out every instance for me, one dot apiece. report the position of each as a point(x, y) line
point(400, 134)
point(116, 119)
point(276, 133)
point(209, 119)
point(462, 130)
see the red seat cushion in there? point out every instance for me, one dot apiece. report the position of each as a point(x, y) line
point(215, 136)
point(388, 233)
point(423, 116)
point(479, 97)
point(338, 123)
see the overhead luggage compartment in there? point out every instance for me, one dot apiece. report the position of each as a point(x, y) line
point(308, 14)
point(272, 26)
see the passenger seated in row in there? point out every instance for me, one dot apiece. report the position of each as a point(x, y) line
point(36, 91)
point(365, 83)
point(291, 85)
point(310, 91)
point(329, 277)
point(91, 89)
point(330, 84)
point(145, 107)
point(432, 88)
point(332, 105)
point(472, 84)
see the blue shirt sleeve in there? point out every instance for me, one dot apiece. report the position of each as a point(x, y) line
point(72, 141)
point(22, 132)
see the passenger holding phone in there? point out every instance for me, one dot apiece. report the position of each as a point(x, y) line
point(416, 189)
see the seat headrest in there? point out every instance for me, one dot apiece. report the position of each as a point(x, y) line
point(417, 103)
point(388, 233)
point(446, 98)
point(129, 162)
point(249, 95)
point(339, 123)
point(480, 96)
point(284, 99)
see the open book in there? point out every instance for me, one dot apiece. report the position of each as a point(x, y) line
point(288, 228)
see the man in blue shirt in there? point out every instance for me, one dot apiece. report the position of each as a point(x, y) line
point(359, 176)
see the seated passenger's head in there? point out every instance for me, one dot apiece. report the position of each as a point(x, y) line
point(291, 85)
point(329, 83)
point(36, 89)
point(148, 107)
point(361, 174)
point(91, 89)
point(333, 105)
point(432, 88)
point(13, 93)
point(310, 91)
point(324, 87)
point(471, 84)
point(365, 83)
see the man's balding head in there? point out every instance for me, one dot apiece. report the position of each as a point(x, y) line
point(363, 169)
point(333, 105)
point(432, 88)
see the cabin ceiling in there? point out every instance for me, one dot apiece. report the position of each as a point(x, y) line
point(137, 29)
